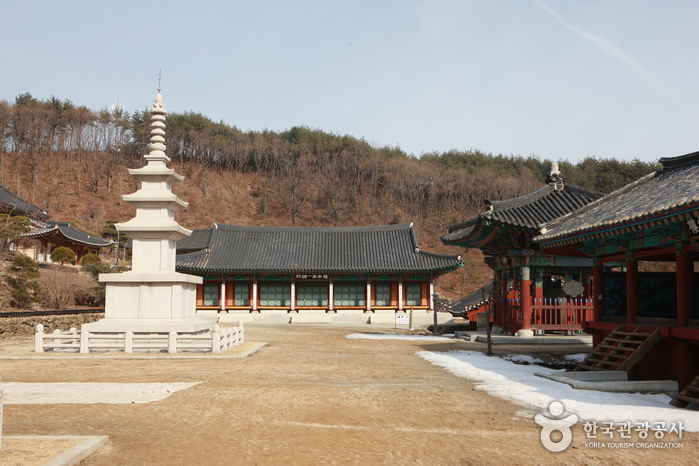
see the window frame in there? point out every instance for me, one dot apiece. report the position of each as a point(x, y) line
point(206, 293)
point(280, 298)
point(409, 294)
point(348, 290)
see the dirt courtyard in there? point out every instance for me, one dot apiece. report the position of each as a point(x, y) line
point(309, 397)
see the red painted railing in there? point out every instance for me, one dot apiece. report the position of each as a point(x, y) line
point(561, 314)
point(551, 314)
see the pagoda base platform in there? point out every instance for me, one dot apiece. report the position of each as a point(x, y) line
point(186, 325)
point(151, 302)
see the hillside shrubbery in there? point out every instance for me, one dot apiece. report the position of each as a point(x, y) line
point(73, 162)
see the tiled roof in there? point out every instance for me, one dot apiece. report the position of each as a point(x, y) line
point(478, 298)
point(668, 190)
point(198, 240)
point(69, 232)
point(17, 205)
point(376, 249)
point(529, 211)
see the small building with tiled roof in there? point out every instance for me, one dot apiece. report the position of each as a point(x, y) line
point(312, 274)
point(43, 239)
point(46, 235)
point(503, 231)
point(651, 221)
point(12, 204)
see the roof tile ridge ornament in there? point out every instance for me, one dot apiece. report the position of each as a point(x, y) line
point(556, 178)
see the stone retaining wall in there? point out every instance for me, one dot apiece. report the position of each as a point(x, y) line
point(21, 326)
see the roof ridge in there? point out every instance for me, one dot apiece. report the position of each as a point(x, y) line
point(672, 163)
point(400, 226)
point(604, 198)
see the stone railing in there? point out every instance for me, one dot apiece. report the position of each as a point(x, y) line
point(215, 341)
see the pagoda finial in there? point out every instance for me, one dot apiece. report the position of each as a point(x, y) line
point(157, 132)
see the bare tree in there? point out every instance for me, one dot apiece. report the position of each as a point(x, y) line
point(59, 288)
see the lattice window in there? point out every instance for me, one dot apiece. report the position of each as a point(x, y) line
point(275, 295)
point(241, 294)
point(211, 291)
point(349, 295)
point(383, 294)
point(312, 295)
point(413, 295)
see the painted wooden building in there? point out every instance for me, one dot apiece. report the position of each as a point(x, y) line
point(639, 230)
point(549, 291)
point(47, 236)
point(320, 272)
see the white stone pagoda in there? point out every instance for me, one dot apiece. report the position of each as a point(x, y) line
point(152, 297)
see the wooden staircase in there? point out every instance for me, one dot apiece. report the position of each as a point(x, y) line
point(689, 395)
point(620, 351)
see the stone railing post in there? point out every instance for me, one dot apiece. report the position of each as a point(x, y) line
point(128, 342)
point(172, 342)
point(84, 341)
point(224, 339)
point(216, 340)
point(39, 339)
point(241, 332)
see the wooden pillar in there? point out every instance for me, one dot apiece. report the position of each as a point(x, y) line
point(526, 297)
point(587, 285)
point(292, 307)
point(684, 370)
point(400, 295)
point(368, 295)
point(538, 296)
point(515, 297)
point(598, 291)
point(631, 289)
point(500, 318)
point(685, 275)
point(222, 302)
point(254, 295)
point(331, 296)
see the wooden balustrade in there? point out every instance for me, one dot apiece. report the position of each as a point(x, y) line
point(555, 314)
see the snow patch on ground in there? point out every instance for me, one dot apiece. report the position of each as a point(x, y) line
point(88, 393)
point(522, 359)
point(518, 384)
point(580, 357)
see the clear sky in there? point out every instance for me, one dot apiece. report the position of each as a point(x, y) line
point(559, 79)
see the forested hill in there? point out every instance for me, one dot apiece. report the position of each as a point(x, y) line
point(73, 162)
